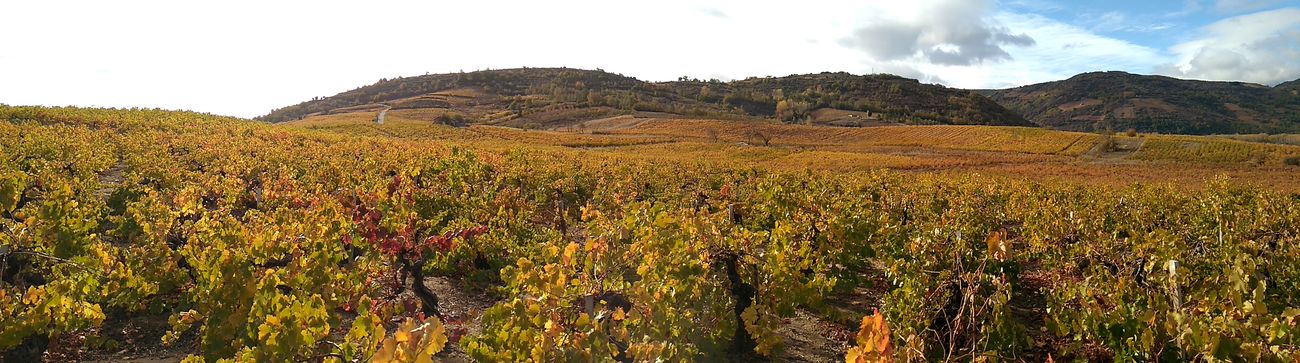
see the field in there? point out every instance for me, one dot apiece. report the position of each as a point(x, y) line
point(158, 235)
point(1183, 162)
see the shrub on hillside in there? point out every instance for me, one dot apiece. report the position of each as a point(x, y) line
point(761, 137)
point(1107, 141)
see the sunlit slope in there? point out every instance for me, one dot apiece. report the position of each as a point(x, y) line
point(401, 125)
point(981, 138)
point(891, 144)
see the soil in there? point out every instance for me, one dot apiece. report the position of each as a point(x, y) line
point(463, 306)
point(811, 338)
point(124, 337)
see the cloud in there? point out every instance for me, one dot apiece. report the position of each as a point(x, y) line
point(1262, 47)
point(714, 12)
point(1241, 6)
point(945, 32)
point(1115, 21)
point(1038, 6)
point(1189, 7)
point(1062, 50)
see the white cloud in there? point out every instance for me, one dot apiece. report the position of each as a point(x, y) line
point(1062, 51)
point(1240, 6)
point(1116, 21)
point(1262, 47)
point(1189, 7)
point(946, 32)
point(713, 12)
point(1037, 6)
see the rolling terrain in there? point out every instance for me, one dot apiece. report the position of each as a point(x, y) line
point(545, 98)
point(1017, 152)
point(1119, 101)
point(554, 97)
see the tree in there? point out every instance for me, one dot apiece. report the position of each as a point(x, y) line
point(763, 137)
point(784, 111)
point(787, 110)
point(706, 94)
point(594, 99)
point(1106, 141)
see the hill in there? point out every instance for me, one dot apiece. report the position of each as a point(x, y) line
point(1292, 86)
point(556, 97)
point(1118, 100)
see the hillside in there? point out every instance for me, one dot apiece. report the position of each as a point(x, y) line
point(1118, 100)
point(1292, 86)
point(1026, 153)
point(556, 97)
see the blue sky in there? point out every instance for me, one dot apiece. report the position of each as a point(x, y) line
point(1158, 24)
point(246, 57)
point(1229, 40)
point(1151, 23)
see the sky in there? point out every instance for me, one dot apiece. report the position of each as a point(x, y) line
point(245, 58)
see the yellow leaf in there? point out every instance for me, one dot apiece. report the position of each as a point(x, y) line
point(873, 340)
point(380, 335)
point(386, 352)
point(569, 251)
point(438, 338)
point(997, 245)
point(435, 339)
point(551, 327)
point(424, 358)
point(750, 316)
point(854, 356)
point(583, 320)
point(403, 333)
point(619, 315)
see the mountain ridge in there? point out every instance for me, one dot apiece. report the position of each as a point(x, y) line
point(1115, 100)
point(564, 97)
point(553, 96)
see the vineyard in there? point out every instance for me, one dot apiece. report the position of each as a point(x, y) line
point(1212, 149)
point(243, 241)
point(979, 138)
point(1009, 152)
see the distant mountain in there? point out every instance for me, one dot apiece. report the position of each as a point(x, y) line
point(1118, 100)
point(1292, 86)
point(552, 97)
point(881, 93)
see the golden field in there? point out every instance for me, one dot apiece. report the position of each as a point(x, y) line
point(994, 151)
